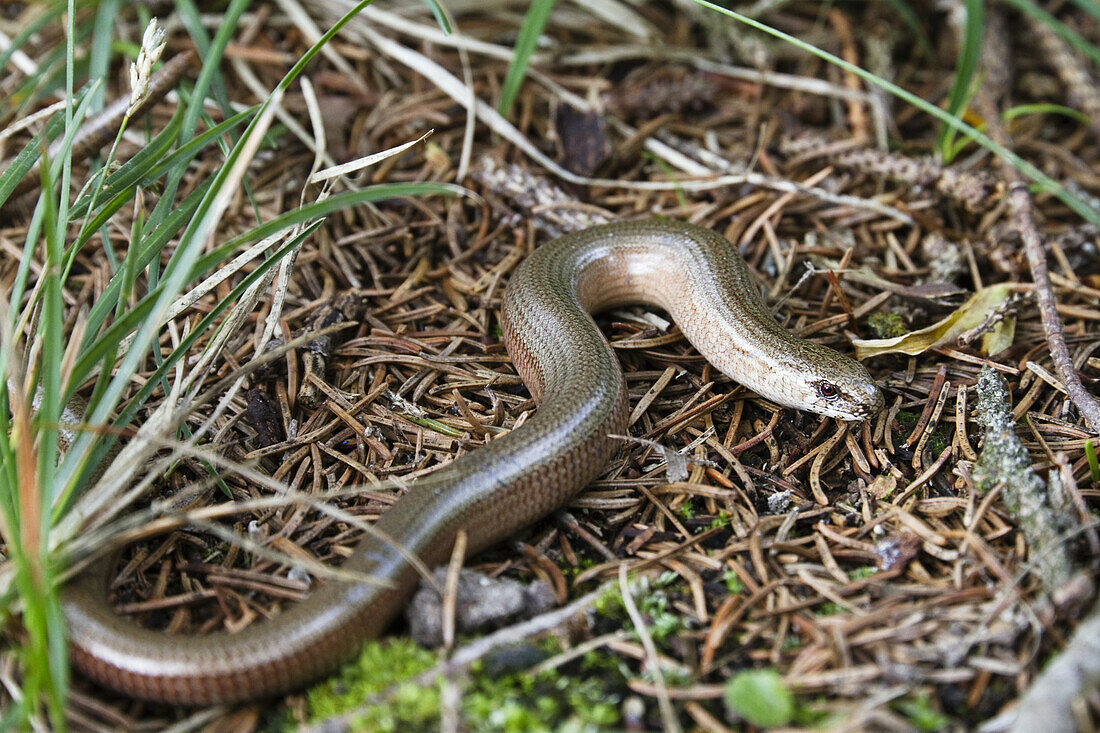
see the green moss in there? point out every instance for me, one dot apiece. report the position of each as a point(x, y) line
point(752, 459)
point(790, 643)
point(817, 714)
point(886, 325)
point(862, 572)
point(652, 600)
point(905, 421)
point(937, 440)
point(584, 562)
point(609, 604)
point(381, 665)
point(493, 699)
point(549, 701)
point(500, 693)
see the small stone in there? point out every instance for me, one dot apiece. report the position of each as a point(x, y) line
point(482, 603)
point(513, 658)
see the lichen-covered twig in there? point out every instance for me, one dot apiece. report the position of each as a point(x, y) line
point(1004, 462)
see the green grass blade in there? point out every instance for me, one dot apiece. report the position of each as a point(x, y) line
point(167, 219)
point(10, 717)
point(99, 57)
point(156, 379)
point(1094, 464)
point(9, 478)
point(109, 208)
point(60, 164)
point(28, 156)
point(1021, 110)
point(50, 170)
point(211, 55)
point(49, 15)
point(316, 209)
point(912, 22)
point(1089, 6)
point(962, 84)
point(211, 50)
point(117, 189)
point(208, 320)
point(119, 329)
point(99, 346)
point(52, 70)
point(41, 593)
point(184, 154)
point(145, 252)
point(19, 285)
point(533, 24)
point(197, 232)
point(439, 15)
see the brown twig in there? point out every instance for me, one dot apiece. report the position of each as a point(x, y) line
point(1023, 221)
point(1019, 202)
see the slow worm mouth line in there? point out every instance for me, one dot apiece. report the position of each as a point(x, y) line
point(510, 482)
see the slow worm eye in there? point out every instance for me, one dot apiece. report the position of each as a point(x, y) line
point(828, 390)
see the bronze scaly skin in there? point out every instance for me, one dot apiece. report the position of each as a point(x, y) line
point(693, 273)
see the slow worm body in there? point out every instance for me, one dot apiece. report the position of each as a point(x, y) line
point(691, 272)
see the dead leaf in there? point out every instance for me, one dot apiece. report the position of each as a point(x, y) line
point(969, 315)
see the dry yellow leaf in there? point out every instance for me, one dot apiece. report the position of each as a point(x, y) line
point(969, 315)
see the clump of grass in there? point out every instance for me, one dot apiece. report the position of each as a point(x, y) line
point(533, 24)
point(44, 504)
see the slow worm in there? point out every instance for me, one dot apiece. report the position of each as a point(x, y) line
point(691, 272)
